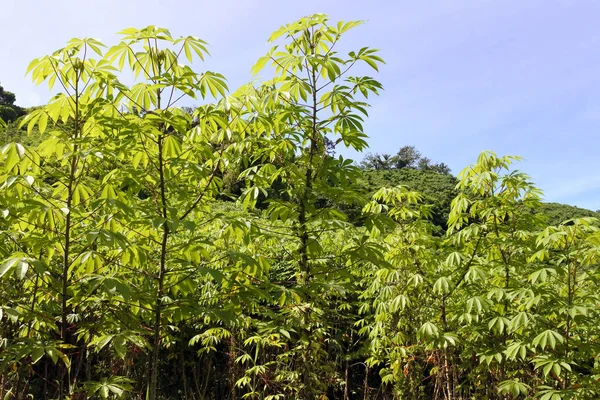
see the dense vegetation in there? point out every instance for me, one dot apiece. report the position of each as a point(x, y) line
point(9, 111)
point(152, 251)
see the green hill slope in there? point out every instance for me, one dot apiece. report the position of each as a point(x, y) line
point(439, 190)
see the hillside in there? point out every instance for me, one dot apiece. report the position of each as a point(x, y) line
point(558, 213)
point(439, 190)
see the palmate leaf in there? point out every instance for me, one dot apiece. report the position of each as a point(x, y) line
point(541, 275)
point(516, 350)
point(428, 331)
point(121, 52)
point(365, 85)
point(194, 45)
point(548, 338)
point(514, 388)
point(143, 95)
point(115, 386)
point(331, 66)
point(521, 320)
point(498, 324)
point(477, 305)
point(213, 83)
point(550, 366)
point(42, 68)
point(443, 285)
point(60, 108)
point(343, 27)
point(171, 147)
point(369, 56)
point(119, 342)
point(84, 43)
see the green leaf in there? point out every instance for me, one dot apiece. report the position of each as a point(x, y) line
point(8, 265)
point(260, 64)
point(21, 269)
point(513, 387)
point(442, 286)
point(428, 331)
point(547, 338)
point(36, 354)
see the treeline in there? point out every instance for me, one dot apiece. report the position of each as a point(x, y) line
point(150, 252)
point(437, 185)
point(407, 157)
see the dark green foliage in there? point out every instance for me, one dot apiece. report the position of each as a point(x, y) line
point(438, 189)
point(6, 97)
point(559, 213)
point(9, 111)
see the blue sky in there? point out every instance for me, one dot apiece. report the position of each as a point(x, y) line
point(517, 77)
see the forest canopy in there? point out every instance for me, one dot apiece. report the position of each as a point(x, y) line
point(157, 251)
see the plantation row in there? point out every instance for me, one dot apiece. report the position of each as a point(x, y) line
point(153, 252)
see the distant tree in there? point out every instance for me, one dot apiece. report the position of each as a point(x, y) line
point(424, 164)
point(8, 113)
point(440, 168)
point(378, 161)
point(8, 110)
point(6, 97)
point(407, 157)
point(387, 161)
